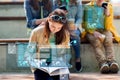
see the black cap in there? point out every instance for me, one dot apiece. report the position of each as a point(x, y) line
point(63, 7)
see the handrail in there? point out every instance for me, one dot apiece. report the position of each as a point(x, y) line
point(11, 3)
point(24, 18)
point(21, 2)
point(12, 18)
point(117, 17)
point(14, 40)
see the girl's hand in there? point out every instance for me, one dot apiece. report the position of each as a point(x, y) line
point(100, 36)
point(106, 10)
point(97, 34)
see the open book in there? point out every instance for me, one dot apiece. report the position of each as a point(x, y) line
point(54, 68)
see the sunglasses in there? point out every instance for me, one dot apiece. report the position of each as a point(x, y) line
point(58, 18)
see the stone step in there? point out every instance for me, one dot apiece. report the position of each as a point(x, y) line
point(12, 10)
point(12, 53)
point(17, 29)
point(73, 76)
point(88, 59)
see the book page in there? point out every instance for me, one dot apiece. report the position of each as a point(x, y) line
point(60, 71)
point(55, 70)
point(55, 67)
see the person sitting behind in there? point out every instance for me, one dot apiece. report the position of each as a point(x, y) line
point(104, 38)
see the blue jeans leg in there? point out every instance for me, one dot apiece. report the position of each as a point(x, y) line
point(75, 41)
point(41, 75)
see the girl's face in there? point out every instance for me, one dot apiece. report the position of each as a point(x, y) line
point(99, 2)
point(54, 25)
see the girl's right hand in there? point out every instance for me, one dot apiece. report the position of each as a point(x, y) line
point(100, 36)
point(97, 34)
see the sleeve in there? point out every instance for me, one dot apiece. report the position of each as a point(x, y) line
point(29, 16)
point(33, 37)
point(52, 4)
point(79, 15)
point(30, 52)
point(109, 19)
point(55, 5)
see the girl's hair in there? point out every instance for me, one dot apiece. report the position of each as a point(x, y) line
point(47, 4)
point(61, 35)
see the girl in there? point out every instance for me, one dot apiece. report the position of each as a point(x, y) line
point(53, 33)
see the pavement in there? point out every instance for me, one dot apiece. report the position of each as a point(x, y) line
point(73, 76)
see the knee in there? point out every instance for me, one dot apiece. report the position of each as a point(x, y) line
point(108, 42)
point(75, 43)
point(97, 44)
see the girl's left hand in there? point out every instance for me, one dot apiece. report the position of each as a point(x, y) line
point(106, 10)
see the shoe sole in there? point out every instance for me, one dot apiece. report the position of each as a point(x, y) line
point(105, 69)
point(114, 68)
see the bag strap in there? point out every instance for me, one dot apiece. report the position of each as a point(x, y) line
point(41, 11)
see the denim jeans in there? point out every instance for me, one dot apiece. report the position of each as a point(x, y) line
point(75, 41)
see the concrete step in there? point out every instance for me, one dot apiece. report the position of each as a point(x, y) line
point(12, 10)
point(13, 29)
point(17, 28)
point(88, 59)
point(11, 59)
point(73, 76)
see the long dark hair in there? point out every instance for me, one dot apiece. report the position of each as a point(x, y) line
point(47, 4)
point(61, 35)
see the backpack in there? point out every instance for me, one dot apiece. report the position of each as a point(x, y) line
point(93, 17)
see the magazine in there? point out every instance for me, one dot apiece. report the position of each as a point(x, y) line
point(58, 63)
point(54, 68)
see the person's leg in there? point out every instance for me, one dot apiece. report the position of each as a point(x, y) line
point(56, 77)
point(61, 77)
point(108, 44)
point(41, 75)
point(110, 55)
point(100, 55)
point(75, 41)
point(76, 46)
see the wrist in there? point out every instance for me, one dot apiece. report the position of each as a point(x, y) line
point(107, 12)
